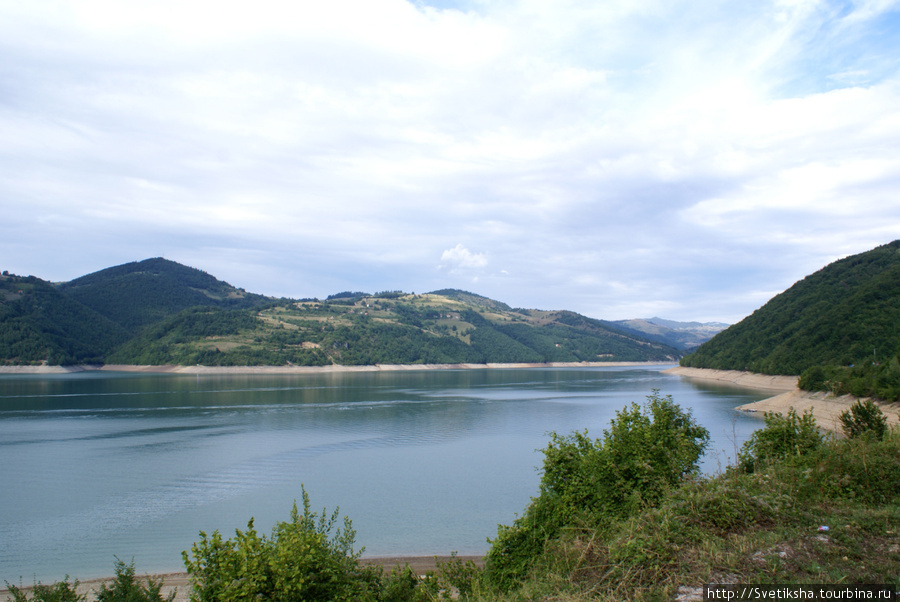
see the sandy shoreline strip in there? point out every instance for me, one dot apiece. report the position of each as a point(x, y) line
point(306, 369)
point(180, 582)
point(750, 380)
point(826, 408)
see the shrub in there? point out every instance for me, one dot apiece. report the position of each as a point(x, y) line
point(126, 588)
point(863, 469)
point(864, 419)
point(298, 562)
point(586, 481)
point(781, 437)
point(62, 591)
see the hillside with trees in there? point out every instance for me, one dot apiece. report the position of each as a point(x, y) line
point(836, 326)
point(389, 328)
point(141, 293)
point(38, 323)
point(157, 312)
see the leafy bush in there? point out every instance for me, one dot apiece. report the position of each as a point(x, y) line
point(62, 591)
point(646, 451)
point(864, 469)
point(781, 437)
point(300, 561)
point(126, 588)
point(864, 419)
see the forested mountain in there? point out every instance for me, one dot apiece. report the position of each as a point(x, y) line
point(846, 314)
point(141, 293)
point(390, 328)
point(38, 323)
point(160, 312)
point(681, 335)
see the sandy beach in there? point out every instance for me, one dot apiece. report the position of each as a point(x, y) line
point(306, 369)
point(763, 382)
point(825, 407)
point(180, 582)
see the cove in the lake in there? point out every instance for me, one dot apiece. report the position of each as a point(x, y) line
point(99, 465)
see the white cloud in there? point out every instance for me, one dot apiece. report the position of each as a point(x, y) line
point(460, 258)
point(651, 144)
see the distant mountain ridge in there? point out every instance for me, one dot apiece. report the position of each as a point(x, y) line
point(681, 335)
point(846, 314)
point(157, 311)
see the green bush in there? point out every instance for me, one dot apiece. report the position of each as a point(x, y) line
point(863, 469)
point(864, 418)
point(300, 561)
point(62, 591)
point(585, 481)
point(782, 436)
point(126, 588)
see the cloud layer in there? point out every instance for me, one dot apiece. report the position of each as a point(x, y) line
point(688, 159)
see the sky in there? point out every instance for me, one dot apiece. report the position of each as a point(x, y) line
point(687, 159)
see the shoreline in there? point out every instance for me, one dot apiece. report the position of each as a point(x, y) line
point(180, 582)
point(825, 407)
point(750, 380)
point(335, 368)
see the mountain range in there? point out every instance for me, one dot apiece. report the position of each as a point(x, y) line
point(158, 311)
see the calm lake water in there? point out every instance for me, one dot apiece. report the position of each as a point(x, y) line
point(94, 466)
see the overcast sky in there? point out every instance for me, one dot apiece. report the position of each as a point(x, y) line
point(621, 158)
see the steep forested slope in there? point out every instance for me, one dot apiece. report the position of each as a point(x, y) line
point(846, 313)
point(141, 293)
point(38, 323)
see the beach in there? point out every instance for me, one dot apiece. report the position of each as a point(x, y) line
point(826, 408)
point(290, 369)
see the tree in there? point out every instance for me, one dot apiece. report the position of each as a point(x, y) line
point(864, 418)
point(126, 588)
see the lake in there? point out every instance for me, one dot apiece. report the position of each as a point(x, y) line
point(99, 465)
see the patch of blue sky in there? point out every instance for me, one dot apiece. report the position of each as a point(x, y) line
point(846, 50)
point(460, 5)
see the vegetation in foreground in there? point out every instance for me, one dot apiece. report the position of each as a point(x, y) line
point(621, 517)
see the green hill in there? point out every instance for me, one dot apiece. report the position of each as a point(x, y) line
point(846, 314)
point(160, 312)
point(38, 323)
point(141, 293)
point(446, 327)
